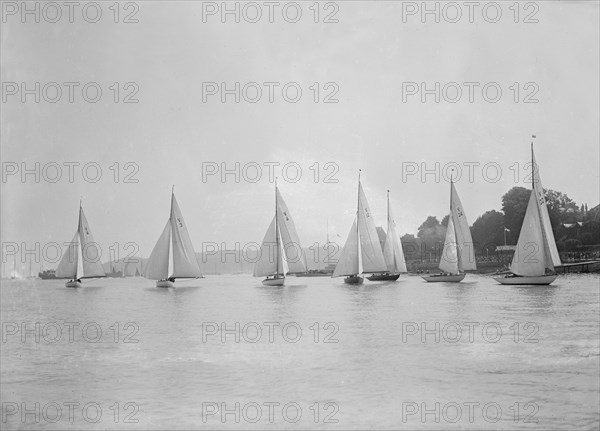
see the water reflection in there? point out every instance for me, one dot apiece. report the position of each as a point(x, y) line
point(368, 372)
point(460, 296)
point(540, 297)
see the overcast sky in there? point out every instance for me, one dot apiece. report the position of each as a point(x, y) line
point(368, 54)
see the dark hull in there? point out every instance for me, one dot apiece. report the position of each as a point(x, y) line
point(356, 279)
point(277, 281)
point(383, 277)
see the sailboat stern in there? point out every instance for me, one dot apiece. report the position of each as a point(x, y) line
point(529, 280)
point(448, 278)
point(354, 279)
point(384, 277)
point(275, 281)
point(165, 283)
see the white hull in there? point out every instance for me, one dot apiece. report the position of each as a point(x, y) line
point(165, 283)
point(527, 280)
point(444, 278)
point(280, 281)
point(73, 283)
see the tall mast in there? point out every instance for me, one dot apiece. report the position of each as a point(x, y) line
point(327, 243)
point(388, 206)
point(358, 205)
point(451, 181)
point(532, 164)
point(389, 226)
point(170, 254)
point(80, 244)
point(450, 216)
point(79, 216)
point(276, 233)
point(357, 219)
point(172, 195)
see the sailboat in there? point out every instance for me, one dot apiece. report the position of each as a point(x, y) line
point(173, 255)
point(362, 251)
point(392, 251)
point(457, 255)
point(276, 257)
point(76, 263)
point(328, 270)
point(536, 254)
point(114, 273)
point(14, 274)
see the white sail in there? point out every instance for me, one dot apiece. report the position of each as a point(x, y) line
point(67, 268)
point(449, 260)
point(289, 237)
point(392, 249)
point(185, 264)
point(350, 261)
point(464, 241)
point(272, 259)
point(548, 235)
point(92, 267)
point(530, 255)
point(372, 256)
point(281, 256)
point(157, 266)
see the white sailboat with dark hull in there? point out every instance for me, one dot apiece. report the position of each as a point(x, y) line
point(392, 251)
point(362, 250)
point(457, 255)
point(173, 255)
point(536, 254)
point(79, 260)
point(280, 252)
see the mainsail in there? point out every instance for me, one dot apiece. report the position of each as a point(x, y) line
point(449, 260)
point(548, 235)
point(392, 249)
point(289, 237)
point(185, 264)
point(464, 241)
point(92, 267)
point(372, 256)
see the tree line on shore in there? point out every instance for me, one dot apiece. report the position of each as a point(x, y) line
point(576, 229)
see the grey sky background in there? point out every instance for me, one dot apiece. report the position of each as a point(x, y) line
point(369, 53)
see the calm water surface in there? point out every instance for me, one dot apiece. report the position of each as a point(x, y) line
point(373, 356)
